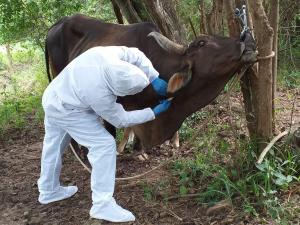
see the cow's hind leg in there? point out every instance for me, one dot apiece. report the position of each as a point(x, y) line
point(80, 150)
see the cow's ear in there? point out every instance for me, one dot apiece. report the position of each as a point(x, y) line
point(179, 80)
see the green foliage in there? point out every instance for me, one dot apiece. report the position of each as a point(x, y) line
point(100, 9)
point(256, 187)
point(20, 98)
point(189, 10)
point(148, 192)
point(30, 20)
point(190, 6)
point(152, 191)
point(3, 63)
point(186, 130)
point(289, 48)
point(288, 78)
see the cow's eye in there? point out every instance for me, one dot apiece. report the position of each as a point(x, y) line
point(197, 44)
point(200, 43)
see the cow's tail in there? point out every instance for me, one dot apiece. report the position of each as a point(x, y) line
point(47, 62)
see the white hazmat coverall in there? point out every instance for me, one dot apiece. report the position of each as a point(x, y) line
point(73, 102)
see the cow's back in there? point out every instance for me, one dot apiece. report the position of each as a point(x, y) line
point(73, 35)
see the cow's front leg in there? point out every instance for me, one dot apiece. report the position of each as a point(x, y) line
point(175, 140)
point(127, 133)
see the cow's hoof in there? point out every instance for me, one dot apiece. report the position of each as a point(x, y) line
point(176, 145)
point(143, 157)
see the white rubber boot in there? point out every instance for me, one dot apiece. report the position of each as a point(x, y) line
point(60, 194)
point(112, 212)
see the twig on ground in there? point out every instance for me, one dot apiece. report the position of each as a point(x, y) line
point(218, 206)
point(182, 196)
point(291, 192)
point(172, 213)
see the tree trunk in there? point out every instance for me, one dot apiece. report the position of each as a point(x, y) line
point(160, 12)
point(9, 57)
point(128, 11)
point(263, 82)
point(215, 18)
point(233, 25)
point(117, 12)
point(234, 31)
point(203, 21)
point(163, 14)
point(274, 21)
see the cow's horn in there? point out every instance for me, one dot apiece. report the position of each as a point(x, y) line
point(167, 44)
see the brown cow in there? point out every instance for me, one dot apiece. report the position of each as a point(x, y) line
point(202, 68)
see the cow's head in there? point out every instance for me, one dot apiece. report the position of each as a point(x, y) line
point(207, 58)
point(199, 73)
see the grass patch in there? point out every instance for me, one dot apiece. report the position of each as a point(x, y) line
point(289, 78)
point(223, 169)
point(217, 173)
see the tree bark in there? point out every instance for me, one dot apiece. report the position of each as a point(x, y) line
point(117, 12)
point(233, 25)
point(203, 21)
point(163, 13)
point(274, 21)
point(160, 12)
point(215, 18)
point(251, 73)
point(128, 11)
point(263, 82)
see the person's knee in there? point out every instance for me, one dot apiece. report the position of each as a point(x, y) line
point(105, 144)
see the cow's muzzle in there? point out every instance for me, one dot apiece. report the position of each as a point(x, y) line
point(249, 53)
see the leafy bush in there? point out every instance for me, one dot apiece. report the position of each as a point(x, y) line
point(22, 95)
point(256, 185)
point(3, 63)
point(24, 53)
point(289, 78)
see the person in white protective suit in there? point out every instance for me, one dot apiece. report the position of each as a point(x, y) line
point(73, 102)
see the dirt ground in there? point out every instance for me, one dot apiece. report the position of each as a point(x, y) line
point(19, 171)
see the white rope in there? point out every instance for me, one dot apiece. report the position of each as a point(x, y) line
point(79, 159)
point(266, 57)
point(122, 178)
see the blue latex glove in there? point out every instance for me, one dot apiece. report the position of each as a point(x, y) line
point(161, 107)
point(160, 86)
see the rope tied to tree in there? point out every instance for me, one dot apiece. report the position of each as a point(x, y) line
point(266, 57)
